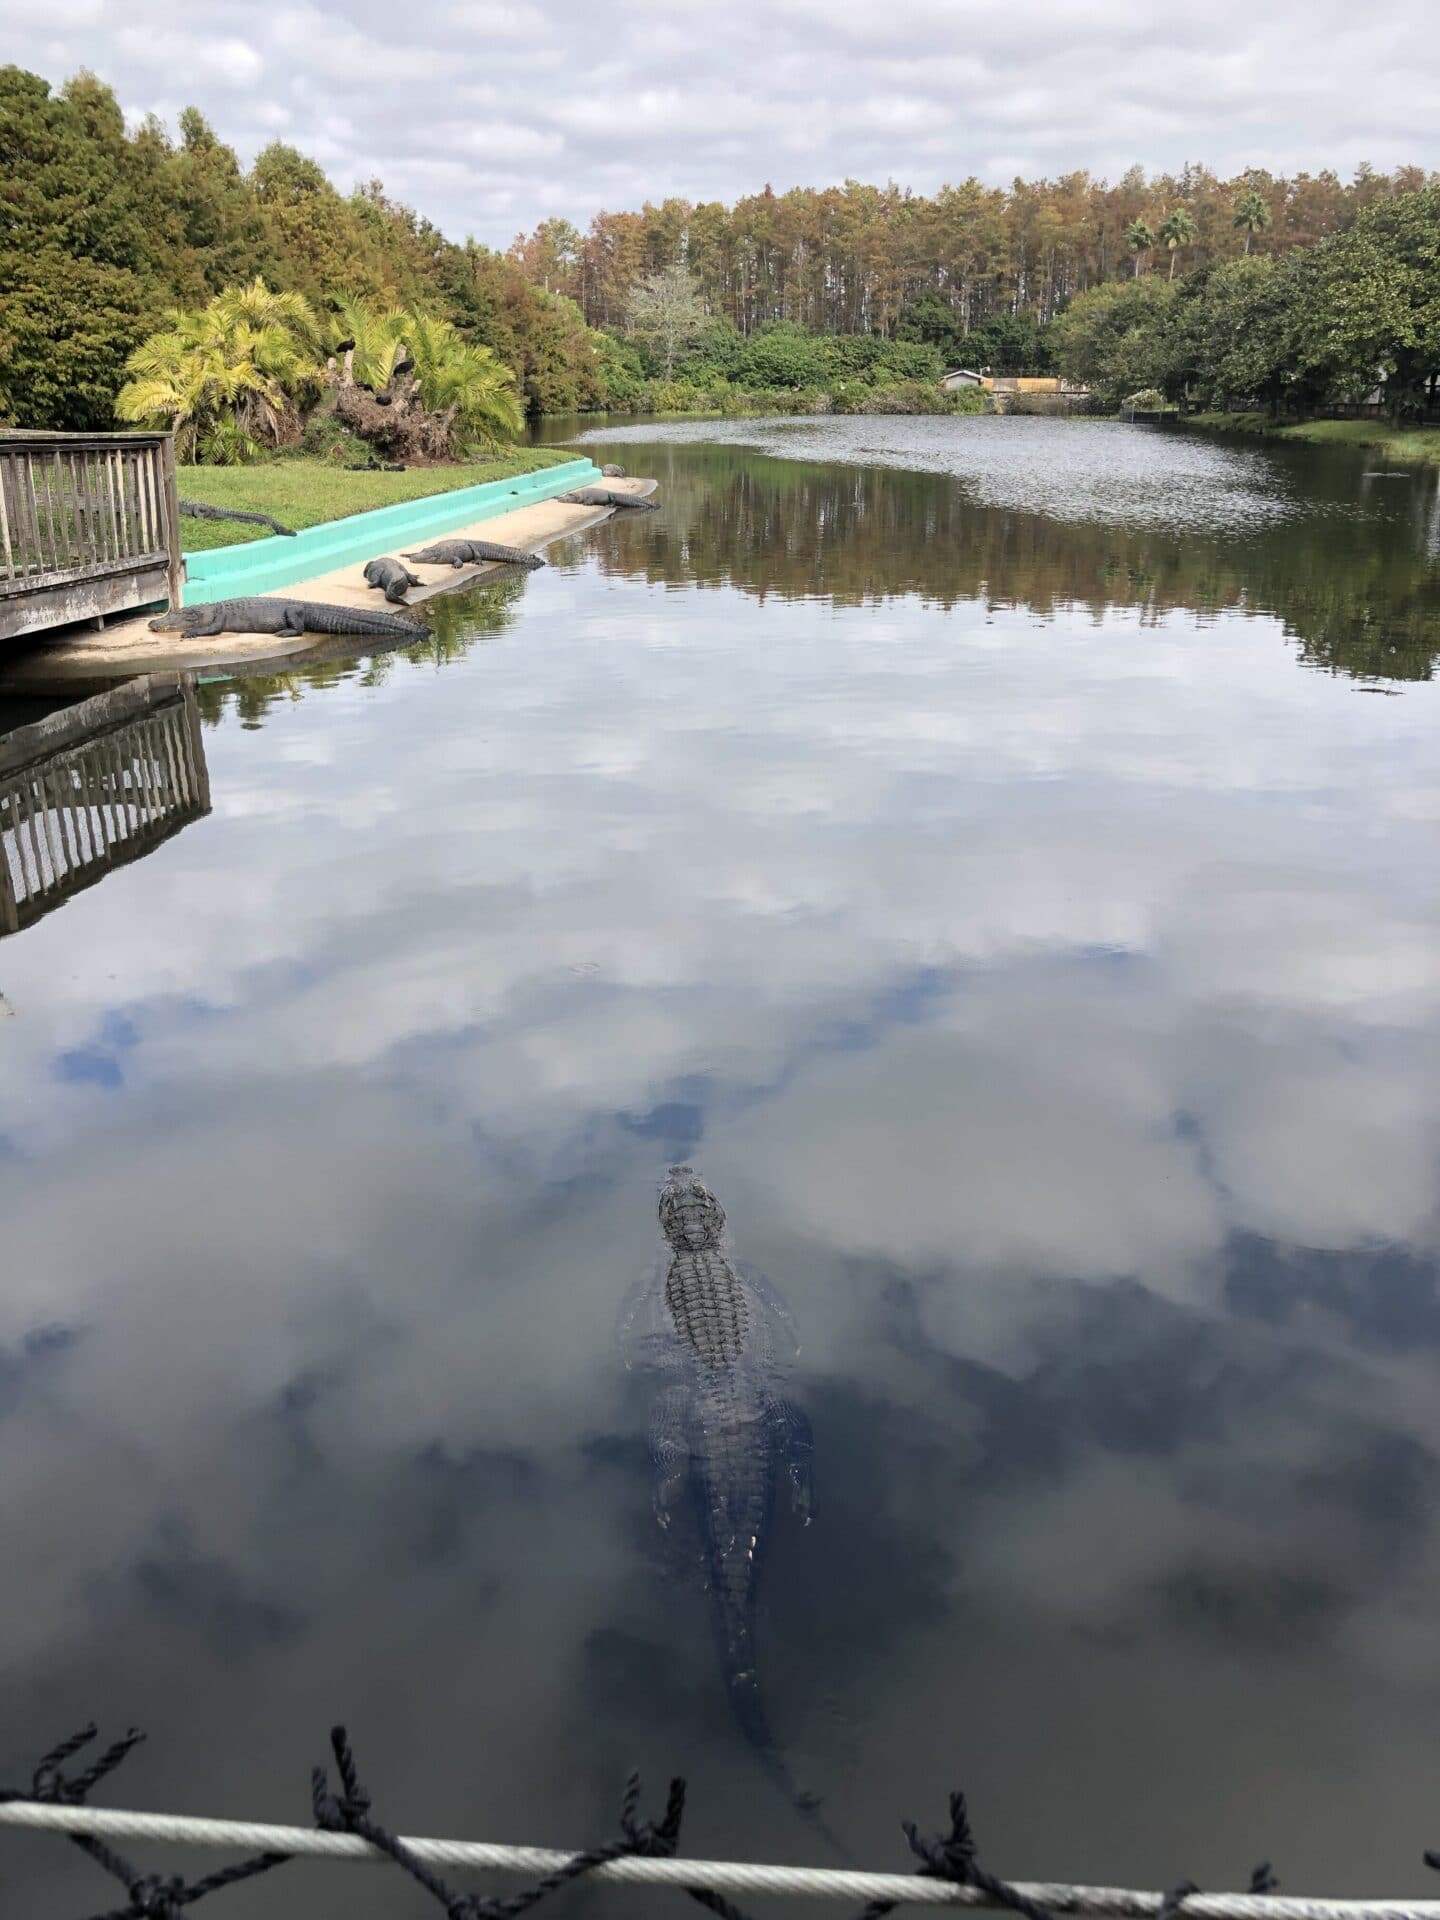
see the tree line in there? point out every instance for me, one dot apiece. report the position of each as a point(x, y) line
point(860, 259)
point(107, 236)
point(117, 243)
point(1356, 314)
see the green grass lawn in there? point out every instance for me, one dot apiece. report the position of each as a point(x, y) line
point(302, 493)
point(1413, 444)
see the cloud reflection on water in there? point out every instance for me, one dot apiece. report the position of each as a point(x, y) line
point(1060, 1011)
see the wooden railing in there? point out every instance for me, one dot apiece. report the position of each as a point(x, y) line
point(88, 526)
point(92, 788)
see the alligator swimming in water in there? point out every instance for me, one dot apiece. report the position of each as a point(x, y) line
point(469, 553)
point(389, 574)
point(197, 510)
point(609, 497)
point(286, 619)
point(722, 1430)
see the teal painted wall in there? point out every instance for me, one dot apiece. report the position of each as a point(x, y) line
point(260, 566)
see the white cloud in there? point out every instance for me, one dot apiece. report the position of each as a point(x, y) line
point(806, 93)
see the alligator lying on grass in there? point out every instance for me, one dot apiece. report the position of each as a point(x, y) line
point(721, 1428)
point(286, 619)
point(197, 510)
point(388, 573)
point(609, 497)
point(469, 553)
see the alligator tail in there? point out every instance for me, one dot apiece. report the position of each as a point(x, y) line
point(754, 1723)
point(375, 623)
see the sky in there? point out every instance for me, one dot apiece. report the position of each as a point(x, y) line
point(490, 115)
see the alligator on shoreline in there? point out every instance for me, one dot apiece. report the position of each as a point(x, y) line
point(722, 1431)
point(286, 619)
point(197, 510)
point(388, 573)
point(470, 553)
point(609, 497)
point(615, 473)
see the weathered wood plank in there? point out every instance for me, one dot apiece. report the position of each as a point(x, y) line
point(6, 549)
point(172, 520)
point(105, 463)
point(25, 477)
point(117, 590)
point(44, 514)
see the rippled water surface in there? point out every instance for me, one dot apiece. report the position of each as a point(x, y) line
point(985, 848)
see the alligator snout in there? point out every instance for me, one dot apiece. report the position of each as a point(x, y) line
point(691, 1218)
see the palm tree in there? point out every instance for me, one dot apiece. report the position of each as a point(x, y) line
point(1251, 213)
point(1178, 231)
point(1139, 239)
point(372, 338)
point(255, 305)
point(472, 390)
point(224, 380)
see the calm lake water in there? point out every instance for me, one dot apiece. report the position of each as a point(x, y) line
point(985, 849)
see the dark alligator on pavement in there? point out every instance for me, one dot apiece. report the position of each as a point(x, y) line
point(609, 497)
point(286, 619)
point(389, 574)
point(197, 510)
point(469, 553)
point(722, 1431)
point(615, 473)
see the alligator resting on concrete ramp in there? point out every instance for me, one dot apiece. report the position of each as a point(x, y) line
point(470, 553)
point(286, 619)
point(388, 573)
point(615, 472)
point(197, 510)
point(722, 1431)
point(608, 497)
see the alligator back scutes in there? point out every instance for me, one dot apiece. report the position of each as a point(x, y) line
point(709, 1307)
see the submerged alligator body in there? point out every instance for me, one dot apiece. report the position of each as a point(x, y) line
point(609, 497)
point(286, 619)
point(722, 1432)
point(470, 553)
point(389, 574)
point(197, 510)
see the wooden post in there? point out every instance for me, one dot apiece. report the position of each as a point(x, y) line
point(172, 520)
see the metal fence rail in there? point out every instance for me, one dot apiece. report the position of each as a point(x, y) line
point(645, 1853)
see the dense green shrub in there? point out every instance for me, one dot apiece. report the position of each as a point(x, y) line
point(620, 372)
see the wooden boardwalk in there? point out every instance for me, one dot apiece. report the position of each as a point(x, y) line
point(93, 788)
point(89, 527)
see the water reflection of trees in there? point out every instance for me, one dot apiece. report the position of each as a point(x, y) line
point(1360, 595)
point(458, 621)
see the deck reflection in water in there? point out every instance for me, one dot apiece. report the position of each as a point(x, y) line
point(93, 788)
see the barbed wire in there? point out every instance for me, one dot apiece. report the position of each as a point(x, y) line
point(949, 1870)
